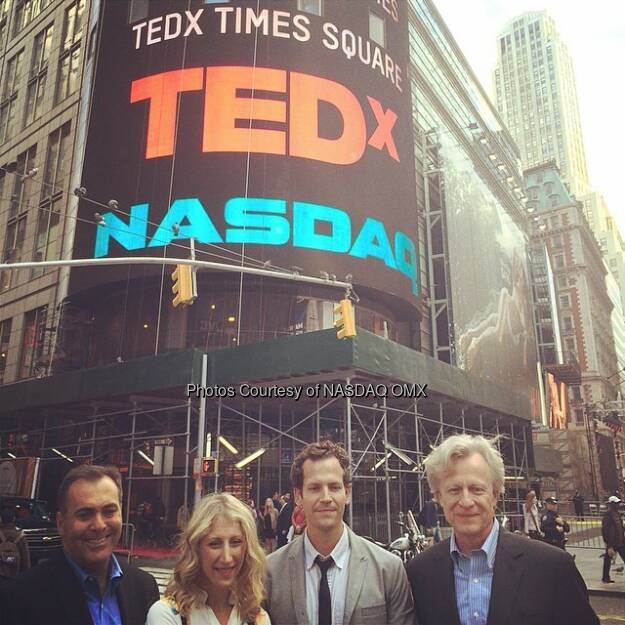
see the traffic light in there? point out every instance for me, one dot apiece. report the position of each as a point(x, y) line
point(183, 285)
point(345, 321)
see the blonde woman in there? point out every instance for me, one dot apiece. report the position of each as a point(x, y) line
point(218, 579)
point(531, 522)
point(270, 524)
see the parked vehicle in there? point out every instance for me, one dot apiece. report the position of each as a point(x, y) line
point(38, 525)
point(410, 543)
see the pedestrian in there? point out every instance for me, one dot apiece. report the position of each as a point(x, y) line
point(276, 500)
point(270, 522)
point(613, 536)
point(84, 584)
point(218, 577)
point(482, 574)
point(14, 554)
point(552, 525)
point(298, 523)
point(331, 575)
point(578, 505)
point(283, 523)
point(531, 524)
point(428, 520)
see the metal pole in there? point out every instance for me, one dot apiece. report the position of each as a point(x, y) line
point(93, 432)
point(419, 452)
point(130, 467)
point(201, 426)
point(503, 499)
point(187, 453)
point(318, 421)
point(43, 444)
point(386, 476)
point(280, 450)
point(348, 430)
point(218, 446)
point(516, 468)
point(260, 425)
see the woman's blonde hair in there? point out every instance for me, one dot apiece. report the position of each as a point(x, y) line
point(527, 499)
point(248, 589)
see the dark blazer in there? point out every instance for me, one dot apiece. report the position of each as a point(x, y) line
point(533, 584)
point(51, 594)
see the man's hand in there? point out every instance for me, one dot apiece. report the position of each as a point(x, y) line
point(560, 528)
point(559, 520)
point(611, 552)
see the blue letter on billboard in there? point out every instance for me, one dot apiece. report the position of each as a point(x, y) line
point(260, 228)
point(131, 235)
point(305, 218)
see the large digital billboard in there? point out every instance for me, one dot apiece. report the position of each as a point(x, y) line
point(490, 287)
point(255, 127)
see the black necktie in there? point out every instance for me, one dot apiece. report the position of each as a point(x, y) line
point(325, 600)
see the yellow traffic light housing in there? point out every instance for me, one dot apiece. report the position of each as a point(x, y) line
point(183, 285)
point(345, 320)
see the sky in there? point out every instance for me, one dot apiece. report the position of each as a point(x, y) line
point(595, 35)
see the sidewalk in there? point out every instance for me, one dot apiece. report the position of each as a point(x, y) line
point(590, 566)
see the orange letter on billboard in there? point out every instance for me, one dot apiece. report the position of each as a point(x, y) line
point(304, 141)
point(223, 108)
point(383, 134)
point(162, 92)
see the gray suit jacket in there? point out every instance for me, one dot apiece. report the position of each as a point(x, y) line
point(377, 587)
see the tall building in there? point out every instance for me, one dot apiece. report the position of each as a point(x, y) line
point(580, 327)
point(261, 143)
point(536, 94)
point(42, 50)
point(607, 233)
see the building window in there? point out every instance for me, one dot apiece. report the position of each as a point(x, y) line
point(5, 339)
point(5, 7)
point(38, 76)
point(69, 60)
point(555, 221)
point(18, 211)
point(613, 262)
point(26, 11)
point(377, 30)
point(558, 261)
point(310, 6)
point(8, 100)
point(569, 344)
point(557, 241)
point(48, 236)
point(567, 324)
point(34, 344)
point(565, 301)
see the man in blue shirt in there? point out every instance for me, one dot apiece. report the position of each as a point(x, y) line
point(484, 575)
point(84, 585)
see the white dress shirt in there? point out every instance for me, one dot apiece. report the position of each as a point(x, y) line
point(337, 579)
point(163, 612)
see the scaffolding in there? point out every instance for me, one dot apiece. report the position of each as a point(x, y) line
point(386, 433)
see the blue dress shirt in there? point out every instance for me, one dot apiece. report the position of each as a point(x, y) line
point(103, 610)
point(473, 576)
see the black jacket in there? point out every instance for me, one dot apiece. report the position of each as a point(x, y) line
point(533, 584)
point(284, 517)
point(51, 594)
point(612, 530)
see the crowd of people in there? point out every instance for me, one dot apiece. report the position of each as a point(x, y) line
point(329, 575)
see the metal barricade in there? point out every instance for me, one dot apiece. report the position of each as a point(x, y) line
point(128, 538)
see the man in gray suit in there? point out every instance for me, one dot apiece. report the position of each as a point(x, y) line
point(329, 575)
